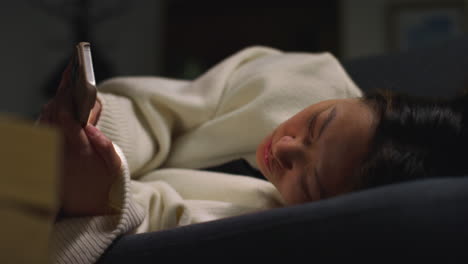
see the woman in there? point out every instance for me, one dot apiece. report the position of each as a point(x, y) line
point(319, 140)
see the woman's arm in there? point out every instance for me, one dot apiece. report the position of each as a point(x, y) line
point(94, 191)
point(90, 164)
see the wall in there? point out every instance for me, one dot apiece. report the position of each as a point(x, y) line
point(363, 26)
point(35, 45)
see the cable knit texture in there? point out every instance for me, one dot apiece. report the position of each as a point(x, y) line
point(167, 129)
point(84, 239)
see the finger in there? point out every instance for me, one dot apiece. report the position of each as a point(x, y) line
point(43, 115)
point(57, 115)
point(104, 148)
point(66, 78)
point(74, 136)
point(42, 120)
point(53, 112)
point(48, 114)
point(65, 119)
point(95, 112)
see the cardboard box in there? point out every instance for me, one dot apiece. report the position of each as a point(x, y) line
point(28, 189)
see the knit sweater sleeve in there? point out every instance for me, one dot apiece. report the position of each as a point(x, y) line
point(84, 239)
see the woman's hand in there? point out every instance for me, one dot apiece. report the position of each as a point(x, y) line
point(90, 164)
point(91, 167)
point(95, 113)
point(62, 100)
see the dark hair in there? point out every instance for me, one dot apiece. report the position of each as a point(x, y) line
point(415, 138)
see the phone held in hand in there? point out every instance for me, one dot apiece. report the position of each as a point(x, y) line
point(83, 83)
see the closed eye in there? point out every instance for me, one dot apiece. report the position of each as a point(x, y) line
point(330, 117)
point(311, 126)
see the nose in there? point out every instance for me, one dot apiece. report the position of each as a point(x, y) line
point(287, 151)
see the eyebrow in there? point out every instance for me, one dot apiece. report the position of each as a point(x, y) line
point(330, 117)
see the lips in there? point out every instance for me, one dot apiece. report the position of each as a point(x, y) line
point(266, 155)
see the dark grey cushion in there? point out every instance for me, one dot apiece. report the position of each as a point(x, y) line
point(424, 219)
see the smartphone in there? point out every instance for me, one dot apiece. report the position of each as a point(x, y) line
point(83, 83)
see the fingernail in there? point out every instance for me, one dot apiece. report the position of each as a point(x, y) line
point(92, 131)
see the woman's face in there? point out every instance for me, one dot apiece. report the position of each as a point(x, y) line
point(315, 154)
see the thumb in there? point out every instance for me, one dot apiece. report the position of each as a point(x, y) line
point(104, 148)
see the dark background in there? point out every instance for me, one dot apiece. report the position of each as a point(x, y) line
point(181, 38)
point(204, 32)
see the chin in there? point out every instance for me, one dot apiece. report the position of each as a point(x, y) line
point(259, 158)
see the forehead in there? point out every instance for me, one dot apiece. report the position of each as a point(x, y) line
point(355, 113)
point(349, 104)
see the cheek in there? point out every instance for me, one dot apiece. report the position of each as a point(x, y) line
point(338, 162)
point(290, 188)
